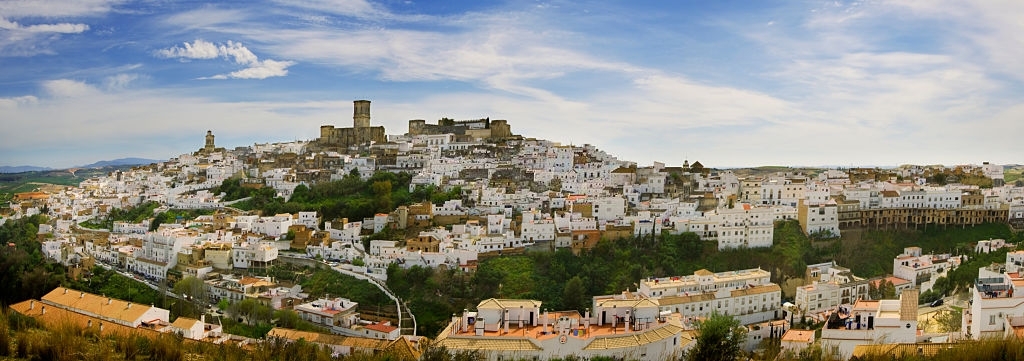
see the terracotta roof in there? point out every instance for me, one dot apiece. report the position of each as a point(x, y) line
point(477, 343)
point(494, 303)
point(904, 349)
point(803, 336)
point(184, 323)
point(379, 327)
point(636, 303)
point(756, 290)
point(326, 339)
point(678, 300)
point(636, 339)
point(57, 316)
point(85, 302)
point(404, 349)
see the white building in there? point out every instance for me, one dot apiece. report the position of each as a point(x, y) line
point(742, 226)
point(253, 253)
point(338, 315)
point(502, 329)
point(872, 322)
point(993, 298)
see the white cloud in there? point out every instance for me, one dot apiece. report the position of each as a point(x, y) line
point(232, 51)
point(199, 49)
point(354, 8)
point(260, 70)
point(62, 28)
point(56, 8)
point(67, 88)
point(119, 81)
point(11, 103)
point(21, 39)
point(77, 123)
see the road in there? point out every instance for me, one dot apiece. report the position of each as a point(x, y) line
point(399, 303)
point(926, 314)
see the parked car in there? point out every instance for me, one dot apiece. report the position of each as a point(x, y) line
point(936, 303)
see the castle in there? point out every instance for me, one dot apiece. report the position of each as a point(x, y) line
point(361, 132)
point(471, 129)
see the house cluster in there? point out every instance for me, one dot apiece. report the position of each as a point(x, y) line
point(829, 287)
point(997, 308)
point(655, 322)
point(516, 192)
point(108, 316)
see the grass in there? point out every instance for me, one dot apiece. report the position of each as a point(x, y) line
point(1013, 174)
point(11, 183)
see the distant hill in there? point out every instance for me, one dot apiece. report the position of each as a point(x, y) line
point(22, 168)
point(120, 162)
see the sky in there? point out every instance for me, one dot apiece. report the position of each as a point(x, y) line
point(726, 83)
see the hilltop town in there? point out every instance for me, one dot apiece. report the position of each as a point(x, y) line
point(453, 194)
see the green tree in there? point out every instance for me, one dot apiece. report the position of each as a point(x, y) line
point(191, 288)
point(720, 338)
point(251, 311)
point(574, 294)
point(949, 320)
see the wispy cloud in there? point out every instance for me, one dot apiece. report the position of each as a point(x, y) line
point(57, 8)
point(232, 51)
point(23, 35)
point(36, 129)
point(14, 102)
point(62, 28)
point(119, 81)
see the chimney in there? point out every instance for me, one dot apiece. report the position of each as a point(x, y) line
point(65, 291)
point(101, 326)
point(82, 295)
point(202, 318)
point(129, 306)
point(627, 321)
point(42, 311)
point(545, 322)
point(615, 317)
point(109, 300)
point(31, 305)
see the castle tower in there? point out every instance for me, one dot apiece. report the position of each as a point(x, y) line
point(209, 147)
point(361, 115)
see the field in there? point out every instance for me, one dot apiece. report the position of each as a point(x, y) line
point(11, 183)
point(1013, 174)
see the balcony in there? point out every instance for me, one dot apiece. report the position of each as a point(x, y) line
point(993, 288)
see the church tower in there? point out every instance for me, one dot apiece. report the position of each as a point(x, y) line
point(361, 114)
point(209, 147)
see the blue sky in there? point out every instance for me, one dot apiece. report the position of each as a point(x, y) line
point(730, 83)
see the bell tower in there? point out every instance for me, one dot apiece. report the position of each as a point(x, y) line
point(209, 147)
point(361, 114)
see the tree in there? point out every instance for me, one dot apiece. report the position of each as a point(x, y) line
point(720, 338)
point(574, 294)
point(191, 288)
point(251, 311)
point(949, 320)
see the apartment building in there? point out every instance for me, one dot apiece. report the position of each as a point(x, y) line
point(872, 322)
point(338, 315)
point(504, 329)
